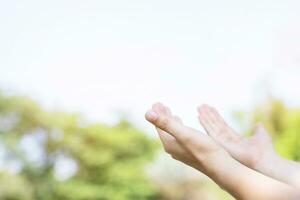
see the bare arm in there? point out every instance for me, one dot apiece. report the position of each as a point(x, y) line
point(201, 152)
point(282, 169)
point(256, 152)
point(246, 184)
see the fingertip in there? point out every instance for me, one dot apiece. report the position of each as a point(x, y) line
point(159, 108)
point(201, 108)
point(203, 111)
point(204, 107)
point(157, 105)
point(151, 116)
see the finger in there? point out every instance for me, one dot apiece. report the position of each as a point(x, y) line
point(170, 144)
point(206, 121)
point(188, 137)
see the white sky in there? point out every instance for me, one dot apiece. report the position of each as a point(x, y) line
point(102, 58)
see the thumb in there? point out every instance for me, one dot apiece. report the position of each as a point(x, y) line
point(260, 131)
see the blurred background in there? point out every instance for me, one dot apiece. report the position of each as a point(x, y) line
point(77, 76)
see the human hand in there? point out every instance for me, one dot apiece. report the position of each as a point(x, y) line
point(250, 151)
point(185, 144)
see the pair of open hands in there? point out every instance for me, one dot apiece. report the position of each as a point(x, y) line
point(198, 149)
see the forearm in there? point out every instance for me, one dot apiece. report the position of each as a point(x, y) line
point(246, 184)
point(280, 168)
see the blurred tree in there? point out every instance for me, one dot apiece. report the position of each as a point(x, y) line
point(57, 155)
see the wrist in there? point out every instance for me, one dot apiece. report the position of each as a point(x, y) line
point(226, 172)
point(266, 159)
point(215, 164)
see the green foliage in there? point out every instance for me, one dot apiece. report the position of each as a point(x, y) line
point(109, 160)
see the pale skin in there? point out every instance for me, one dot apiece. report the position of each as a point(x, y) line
point(256, 152)
point(205, 154)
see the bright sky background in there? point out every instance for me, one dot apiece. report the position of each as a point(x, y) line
point(103, 58)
